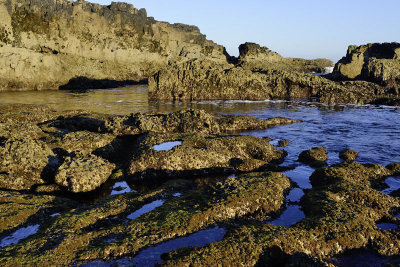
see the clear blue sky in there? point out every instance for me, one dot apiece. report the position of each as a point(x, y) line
point(293, 28)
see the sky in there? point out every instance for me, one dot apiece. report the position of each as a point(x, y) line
point(293, 28)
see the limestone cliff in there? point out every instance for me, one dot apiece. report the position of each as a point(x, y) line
point(376, 62)
point(46, 43)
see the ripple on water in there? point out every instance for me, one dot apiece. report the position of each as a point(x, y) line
point(18, 235)
point(393, 183)
point(146, 209)
point(152, 255)
point(167, 146)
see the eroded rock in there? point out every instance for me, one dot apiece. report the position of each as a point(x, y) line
point(23, 162)
point(199, 155)
point(348, 155)
point(83, 172)
point(316, 156)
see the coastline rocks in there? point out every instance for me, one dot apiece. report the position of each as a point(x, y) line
point(315, 157)
point(283, 143)
point(23, 162)
point(252, 56)
point(78, 45)
point(189, 121)
point(374, 62)
point(348, 155)
point(207, 79)
point(83, 173)
point(197, 155)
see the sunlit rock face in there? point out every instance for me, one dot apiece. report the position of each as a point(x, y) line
point(45, 44)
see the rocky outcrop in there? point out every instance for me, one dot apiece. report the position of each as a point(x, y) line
point(316, 156)
point(253, 56)
point(23, 162)
point(375, 62)
point(196, 156)
point(83, 172)
point(47, 44)
point(201, 79)
point(348, 155)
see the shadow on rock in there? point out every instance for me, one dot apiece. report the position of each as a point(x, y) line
point(84, 83)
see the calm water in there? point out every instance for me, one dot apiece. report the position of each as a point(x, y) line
point(372, 131)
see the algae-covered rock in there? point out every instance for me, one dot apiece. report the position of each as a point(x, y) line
point(394, 168)
point(206, 79)
point(316, 156)
point(348, 155)
point(342, 211)
point(86, 230)
point(189, 121)
point(22, 162)
point(197, 155)
point(83, 172)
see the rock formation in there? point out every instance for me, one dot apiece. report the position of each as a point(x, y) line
point(253, 56)
point(47, 44)
point(379, 63)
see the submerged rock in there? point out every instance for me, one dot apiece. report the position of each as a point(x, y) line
point(198, 155)
point(83, 172)
point(316, 156)
point(348, 155)
point(23, 162)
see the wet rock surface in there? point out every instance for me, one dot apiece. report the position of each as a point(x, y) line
point(348, 155)
point(341, 205)
point(209, 79)
point(316, 156)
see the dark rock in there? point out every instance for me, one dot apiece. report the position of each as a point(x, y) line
point(316, 156)
point(394, 168)
point(283, 143)
point(83, 173)
point(348, 155)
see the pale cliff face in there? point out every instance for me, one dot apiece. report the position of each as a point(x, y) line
point(43, 44)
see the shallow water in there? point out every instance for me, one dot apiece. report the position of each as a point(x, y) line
point(146, 209)
point(167, 146)
point(393, 184)
point(18, 235)
point(152, 255)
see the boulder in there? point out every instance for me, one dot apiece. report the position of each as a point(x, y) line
point(197, 155)
point(348, 155)
point(23, 162)
point(83, 172)
point(316, 156)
